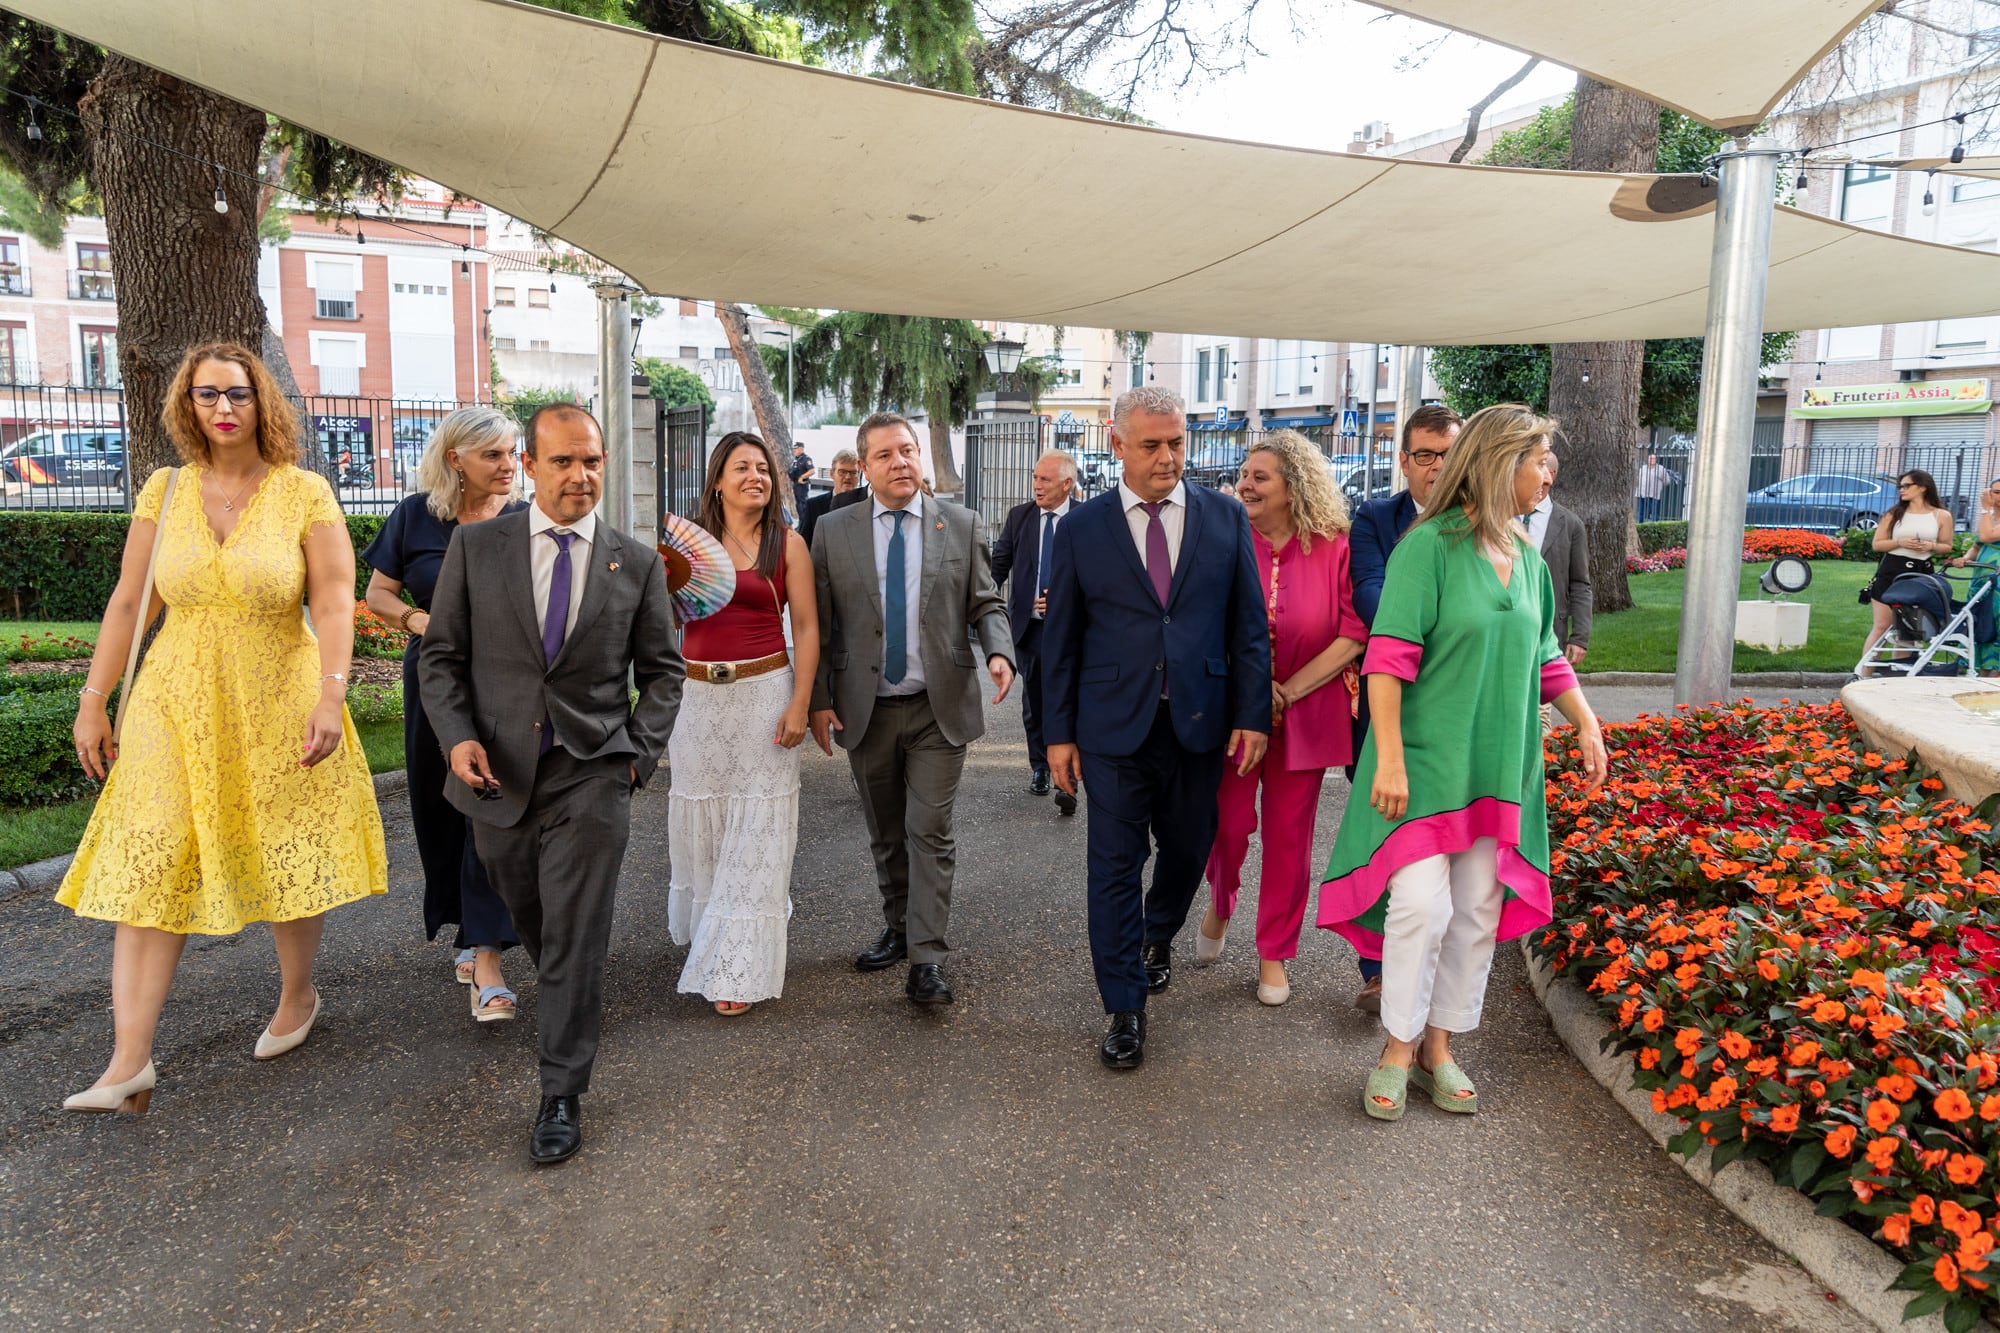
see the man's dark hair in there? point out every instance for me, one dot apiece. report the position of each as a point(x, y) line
point(1433, 417)
point(555, 412)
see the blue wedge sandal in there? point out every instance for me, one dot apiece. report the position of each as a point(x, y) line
point(486, 1007)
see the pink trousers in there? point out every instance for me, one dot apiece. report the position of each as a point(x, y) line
point(1291, 800)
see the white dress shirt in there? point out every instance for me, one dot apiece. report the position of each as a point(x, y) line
point(1173, 517)
point(542, 552)
point(913, 587)
point(1046, 520)
point(1538, 521)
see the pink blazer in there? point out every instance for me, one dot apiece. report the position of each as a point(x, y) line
point(1315, 606)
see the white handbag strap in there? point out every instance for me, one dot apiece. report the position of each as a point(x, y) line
point(145, 605)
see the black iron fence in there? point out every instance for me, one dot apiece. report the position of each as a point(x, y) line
point(680, 441)
point(63, 446)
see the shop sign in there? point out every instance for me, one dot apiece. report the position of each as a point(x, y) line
point(1918, 398)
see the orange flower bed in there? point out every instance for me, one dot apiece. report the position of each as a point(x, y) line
point(1798, 939)
point(1770, 543)
point(373, 638)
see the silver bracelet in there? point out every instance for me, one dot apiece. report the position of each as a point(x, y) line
point(88, 690)
point(335, 675)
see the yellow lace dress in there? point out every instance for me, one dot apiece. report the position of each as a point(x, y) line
point(207, 822)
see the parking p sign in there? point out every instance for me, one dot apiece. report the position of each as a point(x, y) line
point(1222, 414)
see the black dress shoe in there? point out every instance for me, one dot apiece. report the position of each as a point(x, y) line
point(1065, 803)
point(1038, 785)
point(1125, 1043)
point(1158, 957)
point(890, 948)
point(926, 985)
point(558, 1133)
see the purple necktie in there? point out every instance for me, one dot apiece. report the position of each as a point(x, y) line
point(1158, 567)
point(555, 620)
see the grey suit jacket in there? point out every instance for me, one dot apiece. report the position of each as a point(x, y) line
point(483, 677)
point(1566, 549)
point(957, 593)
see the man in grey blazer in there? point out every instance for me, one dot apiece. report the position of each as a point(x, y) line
point(901, 580)
point(1565, 546)
point(539, 620)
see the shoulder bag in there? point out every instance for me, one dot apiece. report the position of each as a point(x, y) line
point(145, 605)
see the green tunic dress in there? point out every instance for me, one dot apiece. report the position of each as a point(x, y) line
point(1475, 658)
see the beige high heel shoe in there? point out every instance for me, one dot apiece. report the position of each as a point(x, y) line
point(270, 1045)
point(135, 1094)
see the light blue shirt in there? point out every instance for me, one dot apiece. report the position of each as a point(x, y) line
point(913, 585)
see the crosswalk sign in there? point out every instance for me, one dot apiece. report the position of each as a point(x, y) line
point(1350, 422)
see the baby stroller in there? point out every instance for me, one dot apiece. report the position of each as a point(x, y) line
point(1935, 628)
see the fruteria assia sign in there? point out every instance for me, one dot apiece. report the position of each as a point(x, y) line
point(1918, 398)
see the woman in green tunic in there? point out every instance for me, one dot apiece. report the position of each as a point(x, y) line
point(1444, 849)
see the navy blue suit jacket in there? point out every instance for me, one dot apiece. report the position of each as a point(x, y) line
point(1378, 526)
point(1017, 551)
point(1108, 645)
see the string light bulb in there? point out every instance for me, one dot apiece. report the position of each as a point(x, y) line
point(360, 236)
point(34, 125)
point(1958, 149)
point(1801, 183)
point(1586, 372)
point(221, 195)
point(1930, 199)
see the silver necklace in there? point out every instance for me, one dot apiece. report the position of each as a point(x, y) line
point(228, 500)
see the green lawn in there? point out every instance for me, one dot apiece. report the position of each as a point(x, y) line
point(1644, 638)
point(13, 631)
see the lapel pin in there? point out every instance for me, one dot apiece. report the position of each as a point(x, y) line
point(940, 525)
point(613, 565)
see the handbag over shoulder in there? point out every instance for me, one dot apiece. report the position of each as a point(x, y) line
point(145, 605)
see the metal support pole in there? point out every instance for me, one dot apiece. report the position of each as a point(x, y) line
point(791, 401)
point(614, 397)
point(1739, 269)
point(1368, 430)
point(1409, 397)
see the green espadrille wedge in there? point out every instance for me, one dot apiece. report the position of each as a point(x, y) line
point(1391, 1082)
point(1445, 1084)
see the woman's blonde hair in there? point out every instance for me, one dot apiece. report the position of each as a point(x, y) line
point(277, 422)
point(1478, 474)
point(467, 429)
point(1318, 507)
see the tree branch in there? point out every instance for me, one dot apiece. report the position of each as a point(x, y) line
point(1478, 111)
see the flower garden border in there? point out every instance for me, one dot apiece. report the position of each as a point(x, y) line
point(1838, 1257)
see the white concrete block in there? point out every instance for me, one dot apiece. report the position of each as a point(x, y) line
point(1775, 627)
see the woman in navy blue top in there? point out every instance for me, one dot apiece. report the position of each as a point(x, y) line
point(466, 475)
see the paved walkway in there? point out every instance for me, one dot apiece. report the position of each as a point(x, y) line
point(836, 1159)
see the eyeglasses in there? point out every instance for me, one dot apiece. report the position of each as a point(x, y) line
point(1426, 457)
point(206, 394)
point(1904, 485)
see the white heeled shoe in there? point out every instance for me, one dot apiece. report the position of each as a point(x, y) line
point(1274, 995)
point(135, 1094)
point(270, 1046)
point(1206, 950)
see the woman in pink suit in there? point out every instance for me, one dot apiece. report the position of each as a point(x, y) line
point(1298, 524)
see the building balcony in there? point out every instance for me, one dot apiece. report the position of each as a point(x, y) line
point(327, 308)
point(91, 285)
point(14, 283)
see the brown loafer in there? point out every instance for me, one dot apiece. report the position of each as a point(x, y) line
point(1369, 1000)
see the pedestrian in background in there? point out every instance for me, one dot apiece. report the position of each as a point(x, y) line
point(733, 805)
point(1444, 849)
point(237, 789)
point(846, 479)
point(466, 475)
point(1564, 544)
point(1651, 483)
point(1298, 528)
point(1022, 555)
point(1916, 529)
point(801, 469)
point(902, 581)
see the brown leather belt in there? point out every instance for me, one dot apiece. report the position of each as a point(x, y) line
point(728, 673)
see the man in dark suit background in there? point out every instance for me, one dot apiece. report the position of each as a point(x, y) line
point(1024, 551)
point(540, 619)
point(1378, 526)
point(1565, 546)
point(846, 477)
point(1159, 666)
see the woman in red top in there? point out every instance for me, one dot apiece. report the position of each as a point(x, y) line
point(1298, 525)
point(733, 803)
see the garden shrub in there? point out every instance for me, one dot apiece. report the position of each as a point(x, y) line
point(38, 762)
point(1759, 544)
point(1659, 536)
point(1798, 939)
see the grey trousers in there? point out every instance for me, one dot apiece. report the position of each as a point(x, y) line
point(557, 871)
point(907, 773)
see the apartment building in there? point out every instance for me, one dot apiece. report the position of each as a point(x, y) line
point(59, 309)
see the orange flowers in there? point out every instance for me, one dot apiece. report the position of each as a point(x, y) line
point(1952, 1104)
point(1946, 1272)
point(1882, 1114)
point(1964, 1168)
point(1688, 1040)
point(1735, 1045)
point(1785, 1119)
point(1840, 1142)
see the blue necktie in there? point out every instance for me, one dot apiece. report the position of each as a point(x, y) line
point(895, 610)
point(1048, 551)
point(555, 620)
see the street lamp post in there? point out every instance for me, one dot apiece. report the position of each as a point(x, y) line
point(1003, 358)
point(791, 407)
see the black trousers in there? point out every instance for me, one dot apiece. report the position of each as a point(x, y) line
point(557, 869)
point(1028, 662)
point(1161, 795)
point(456, 888)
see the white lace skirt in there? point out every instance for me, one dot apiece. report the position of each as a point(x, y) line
point(732, 825)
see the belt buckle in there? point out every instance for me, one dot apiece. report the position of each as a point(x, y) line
point(722, 673)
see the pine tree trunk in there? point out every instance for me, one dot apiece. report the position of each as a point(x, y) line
point(944, 468)
point(185, 274)
point(1594, 387)
point(769, 408)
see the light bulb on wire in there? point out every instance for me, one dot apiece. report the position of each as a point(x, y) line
point(221, 195)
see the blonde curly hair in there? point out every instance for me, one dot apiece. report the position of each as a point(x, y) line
point(1318, 507)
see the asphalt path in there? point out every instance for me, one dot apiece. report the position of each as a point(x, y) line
point(838, 1158)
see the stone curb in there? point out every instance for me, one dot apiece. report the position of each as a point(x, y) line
point(1838, 1257)
point(40, 878)
point(1783, 680)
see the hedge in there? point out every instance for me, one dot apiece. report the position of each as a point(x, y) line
point(1655, 537)
point(37, 755)
point(63, 566)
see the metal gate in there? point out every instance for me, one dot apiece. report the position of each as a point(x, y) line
point(1000, 466)
point(680, 441)
point(1953, 450)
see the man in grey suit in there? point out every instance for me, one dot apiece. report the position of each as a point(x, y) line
point(539, 620)
point(1565, 546)
point(901, 580)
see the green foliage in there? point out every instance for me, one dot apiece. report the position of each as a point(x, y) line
point(1659, 536)
point(39, 219)
point(876, 361)
point(521, 404)
point(676, 386)
point(36, 833)
point(1543, 142)
point(38, 761)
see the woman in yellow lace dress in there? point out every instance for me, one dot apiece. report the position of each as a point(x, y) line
point(240, 792)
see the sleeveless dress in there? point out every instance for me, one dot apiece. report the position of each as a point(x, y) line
point(207, 822)
point(733, 805)
point(1476, 658)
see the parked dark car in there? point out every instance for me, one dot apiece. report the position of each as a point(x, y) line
point(1212, 463)
point(1361, 482)
point(1821, 502)
point(66, 456)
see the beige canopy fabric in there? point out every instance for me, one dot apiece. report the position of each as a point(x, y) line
point(1989, 167)
point(709, 174)
point(1727, 62)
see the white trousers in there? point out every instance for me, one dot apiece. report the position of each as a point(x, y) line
point(1437, 947)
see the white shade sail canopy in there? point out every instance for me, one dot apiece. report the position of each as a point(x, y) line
point(1727, 62)
point(704, 173)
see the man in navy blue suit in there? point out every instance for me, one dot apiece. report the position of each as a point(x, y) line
point(1158, 667)
point(1024, 549)
point(1378, 526)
